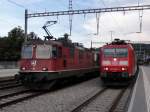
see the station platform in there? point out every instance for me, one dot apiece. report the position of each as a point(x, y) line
point(8, 72)
point(140, 100)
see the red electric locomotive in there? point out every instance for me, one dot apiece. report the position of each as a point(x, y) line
point(117, 61)
point(46, 61)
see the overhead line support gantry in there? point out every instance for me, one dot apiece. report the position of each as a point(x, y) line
point(84, 11)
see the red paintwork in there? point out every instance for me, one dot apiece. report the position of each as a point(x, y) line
point(57, 64)
point(114, 66)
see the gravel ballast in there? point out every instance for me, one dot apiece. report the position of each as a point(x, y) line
point(58, 101)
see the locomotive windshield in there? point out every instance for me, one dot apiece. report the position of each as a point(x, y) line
point(43, 51)
point(27, 52)
point(116, 52)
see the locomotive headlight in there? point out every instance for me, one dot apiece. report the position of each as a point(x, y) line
point(23, 68)
point(115, 59)
point(106, 62)
point(123, 62)
point(123, 68)
point(106, 68)
point(44, 69)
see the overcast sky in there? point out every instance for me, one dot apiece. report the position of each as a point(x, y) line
point(123, 24)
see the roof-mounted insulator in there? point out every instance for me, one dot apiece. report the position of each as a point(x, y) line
point(118, 42)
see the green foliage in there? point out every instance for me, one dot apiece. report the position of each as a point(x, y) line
point(10, 47)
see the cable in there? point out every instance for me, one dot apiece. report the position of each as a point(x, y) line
point(7, 22)
point(19, 5)
point(111, 15)
point(15, 3)
point(118, 2)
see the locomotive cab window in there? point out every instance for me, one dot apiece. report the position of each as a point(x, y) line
point(121, 52)
point(108, 52)
point(27, 52)
point(43, 51)
point(116, 52)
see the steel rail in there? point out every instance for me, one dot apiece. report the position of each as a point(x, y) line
point(88, 101)
point(2, 80)
point(10, 86)
point(17, 100)
point(13, 94)
point(8, 83)
point(116, 101)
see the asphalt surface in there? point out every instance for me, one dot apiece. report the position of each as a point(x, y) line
point(138, 102)
point(8, 72)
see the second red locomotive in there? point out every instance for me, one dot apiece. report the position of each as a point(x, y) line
point(117, 61)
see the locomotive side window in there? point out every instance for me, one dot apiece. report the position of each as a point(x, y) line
point(59, 52)
point(116, 52)
point(43, 51)
point(72, 52)
point(54, 51)
point(80, 54)
point(27, 52)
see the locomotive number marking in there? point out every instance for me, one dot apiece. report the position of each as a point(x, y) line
point(33, 62)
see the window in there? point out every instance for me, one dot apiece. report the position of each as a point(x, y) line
point(54, 51)
point(43, 51)
point(27, 51)
point(72, 52)
point(116, 52)
point(59, 52)
point(80, 54)
point(121, 52)
point(109, 52)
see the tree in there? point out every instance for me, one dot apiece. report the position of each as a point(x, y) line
point(10, 46)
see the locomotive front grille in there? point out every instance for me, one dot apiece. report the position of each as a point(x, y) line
point(115, 75)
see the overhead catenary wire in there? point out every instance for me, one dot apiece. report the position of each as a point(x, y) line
point(111, 15)
point(17, 4)
point(118, 2)
point(7, 22)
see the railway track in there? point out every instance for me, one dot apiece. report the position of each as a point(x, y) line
point(88, 101)
point(6, 79)
point(16, 97)
point(8, 83)
point(10, 86)
point(100, 95)
point(114, 101)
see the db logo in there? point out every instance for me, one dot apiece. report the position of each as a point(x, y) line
point(33, 62)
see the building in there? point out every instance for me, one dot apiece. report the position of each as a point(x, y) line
point(142, 51)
